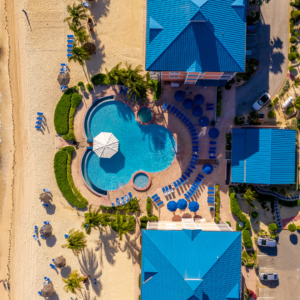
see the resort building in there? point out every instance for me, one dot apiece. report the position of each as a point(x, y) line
point(199, 42)
point(263, 156)
point(191, 265)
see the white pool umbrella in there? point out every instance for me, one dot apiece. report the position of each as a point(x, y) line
point(105, 145)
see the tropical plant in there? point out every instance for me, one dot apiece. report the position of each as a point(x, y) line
point(94, 219)
point(271, 114)
point(81, 36)
point(75, 27)
point(76, 241)
point(253, 118)
point(291, 69)
point(133, 206)
point(295, 14)
point(73, 282)
point(297, 103)
point(250, 196)
point(122, 224)
point(290, 109)
point(273, 230)
point(296, 82)
point(79, 55)
point(77, 13)
point(89, 87)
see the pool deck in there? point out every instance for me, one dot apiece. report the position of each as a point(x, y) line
point(182, 159)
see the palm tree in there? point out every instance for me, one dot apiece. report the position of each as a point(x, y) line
point(73, 282)
point(116, 75)
point(122, 224)
point(94, 219)
point(81, 36)
point(137, 90)
point(133, 206)
point(75, 27)
point(150, 83)
point(77, 13)
point(76, 241)
point(80, 54)
point(250, 196)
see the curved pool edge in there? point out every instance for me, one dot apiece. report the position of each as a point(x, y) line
point(146, 187)
point(140, 122)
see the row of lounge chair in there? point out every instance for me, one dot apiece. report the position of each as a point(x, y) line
point(212, 150)
point(124, 201)
point(39, 120)
point(70, 46)
point(209, 106)
point(195, 186)
point(211, 195)
point(157, 200)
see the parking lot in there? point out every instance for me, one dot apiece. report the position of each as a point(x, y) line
point(285, 261)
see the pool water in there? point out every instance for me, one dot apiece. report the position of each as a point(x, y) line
point(149, 148)
point(145, 115)
point(141, 180)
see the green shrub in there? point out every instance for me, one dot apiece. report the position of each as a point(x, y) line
point(292, 227)
point(145, 219)
point(289, 203)
point(272, 227)
point(140, 280)
point(228, 223)
point(297, 103)
point(89, 87)
point(295, 14)
point(157, 90)
point(228, 86)
point(271, 114)
point(290, 109)
point(292, 24)
point(254, 214)
point(238, 227)
point(140, 258)
point(219, 101)
point(76, 88)
point(139, 297)
point(298, 228)
point(271, 105)
point(233, 189)
point(98, 79)
point(148, 207)
point(291, 68)
point(61, 114)
point(253, 18)
point(292, 56)
point(132, 206)
point(276, 100)
point(75, 101)
point(293, 39)
point(292, 49)
point(80, 83)
point(235, 209)
point(217, 204)
point(62, 170)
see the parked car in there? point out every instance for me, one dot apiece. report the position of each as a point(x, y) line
point(262, 101)
point(251, 29)
point(266, 242)
point(268, 276)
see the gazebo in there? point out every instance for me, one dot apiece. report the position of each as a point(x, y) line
point(48, 290)
point(59, 262)
point(90, 47)
point(46, 230)
point(63, 78)
point(45, 197)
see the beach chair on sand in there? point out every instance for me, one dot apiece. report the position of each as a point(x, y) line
point(70, 36)
point(187, 196)
point(210, 192)
point(40, 119)
point(39, 123)
point(40, 113)
point(126, 198)
point(86, 4)
point(190, 194)
point(130, 195)
point(69, 55)
point(64, 65)
point(165, 106)
point(46, 190)
point(164, 191)
point(175, 184)
point(70, 41)
point(38, 127)
point(178, 183)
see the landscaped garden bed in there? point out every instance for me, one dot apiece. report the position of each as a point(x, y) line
point(251, 68)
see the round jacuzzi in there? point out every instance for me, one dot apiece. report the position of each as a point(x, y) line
point(141, 181)
point(145, 115)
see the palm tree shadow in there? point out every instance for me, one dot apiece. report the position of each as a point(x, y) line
point(130, 247)
point(86, 295)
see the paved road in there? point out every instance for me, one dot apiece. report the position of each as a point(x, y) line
point(274, 25)
point(285, 261)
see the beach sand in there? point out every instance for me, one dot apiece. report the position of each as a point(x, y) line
point(38, 45)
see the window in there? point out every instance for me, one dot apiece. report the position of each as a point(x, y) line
point(174, 76)
point(174, 72)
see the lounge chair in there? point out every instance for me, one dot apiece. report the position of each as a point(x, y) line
point(45, 204)
point(40, 293)
point(190, 194)
point(112, 205)
point(167, 190)
point(43, 237)
point(193, 167)
point(210, 198)
point(193, 130)
point(70, 36)
point(195, 138)
point(199, 179)
point(69, 55)
point(193, 191)
point(198, 182)
point(171, 188)
point(46, 223)
point(64, 65)
point(66, 236)
point(130, 195)
point(179, 183)
point(210, 193)
point(168, 107)
point(121, 89)
point(187, 174)
point(184, 119)
point(211, 201)
point(46, 190)
point(212, 151)
point(126, 198)
point(193, 163)
point(164, 191)
point(200, 175)
point(175, 184)
point(178, 113)
point(38, 127)
point(39, 123)
point(40, 119)
point(209, 108)
point(209, 104)
point(125, 91)
point(118, 201)
point(35, 228)
point(70, 46)
point(71, 41)
point(165, 106)
point(86, 4)
point(212, 148)
point(185, 179)
point(194, 134)
point(172, 109)
point(213, 157)
point(154, 196)
point(160, 203)
point(181, 180)
point(213, 143)
point(195, 142)
point(190, 170)
point(123, 201)
point(40, 113)
point(175, 111)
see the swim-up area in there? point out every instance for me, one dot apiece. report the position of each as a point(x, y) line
point(150, 148)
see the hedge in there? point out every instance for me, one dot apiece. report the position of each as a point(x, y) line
point(98, 79)
point(75, 101)
point(157, 92)
point(61, 114)
point(62, 170)
point(217, 205)
point(293, 39)
point(140, 258)
point(235, 209)
point(140, 281)
point(148, 207)
point(292, 56)
point(145, 219)
point(125, 207)
point(219, 101)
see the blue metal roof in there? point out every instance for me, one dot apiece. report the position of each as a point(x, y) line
point(191, 264)
point(210, 33)
point(263, 156)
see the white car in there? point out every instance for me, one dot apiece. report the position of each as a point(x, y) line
point(262, 101)
point(266, 242)
point(268, 276)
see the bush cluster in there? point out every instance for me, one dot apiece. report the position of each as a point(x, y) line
point(98, 79)
point(219, 101)
point(297, 103)
point(272, 227)
point(295, 14)
point(271, 114)
point(292, 25)
point(75, 101)
point(235, 209)
point(145, 219)
point(61, 114)
point(128, 207)
point(290, 109)
point(229, 84)
point(292, 56)
point(293, 39)
point(63, 175)
point(217, 204)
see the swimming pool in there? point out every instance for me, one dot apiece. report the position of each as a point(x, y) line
point(145, 115)
point(150, 148)
point(141, 180)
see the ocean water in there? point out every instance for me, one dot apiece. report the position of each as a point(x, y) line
point(150, 148)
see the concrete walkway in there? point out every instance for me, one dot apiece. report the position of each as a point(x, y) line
point(273, 62)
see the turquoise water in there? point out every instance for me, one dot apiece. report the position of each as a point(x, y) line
point(145, 115)
point(150, 148)
point(141, 180)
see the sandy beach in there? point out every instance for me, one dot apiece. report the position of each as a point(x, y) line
point(37, 41)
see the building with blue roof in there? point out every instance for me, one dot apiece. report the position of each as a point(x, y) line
point(195, 40)
point(263, 156)
point(191, 265)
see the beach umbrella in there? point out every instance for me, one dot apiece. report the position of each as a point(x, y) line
point(197, 111)
point(193, 206)
point(207, 169)
point(179, 96)
point(45, 197)
point(60, 262)
point(48, 290)
point(188, 103)
point(181, 204)
point(203, 121)
point(172, 206)
point(213, 133)
point(105, 145)
point(46, 230)
point(90, 47)
point(63, 78)
point(199, 99)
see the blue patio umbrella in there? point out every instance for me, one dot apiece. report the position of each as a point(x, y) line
point(199, 99)
point(193, 206)
point(172, 206)
point(213, 133)
point(188, 103)
point(197, 111)
point(179, 96)
point(203, 121)
point(207, 169)
point(181, 204)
